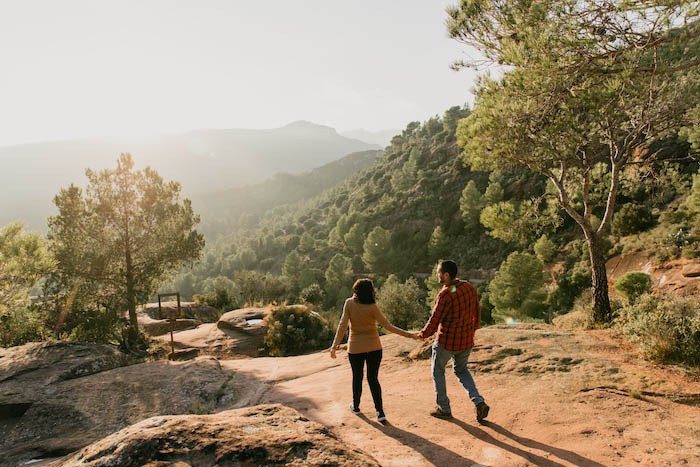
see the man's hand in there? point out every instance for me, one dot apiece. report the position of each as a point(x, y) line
point(333, 353)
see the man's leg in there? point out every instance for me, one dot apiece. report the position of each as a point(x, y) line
point(459, 365)
point(439, 361)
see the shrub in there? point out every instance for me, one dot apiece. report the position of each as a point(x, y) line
point(666, 328)
point(570, 285)
point(221, 293)
point(632, 218)
point(402, 304)
point(633, 284)
point(312, 294)
point(295, 330)
point(21, 327)
point(545, 249)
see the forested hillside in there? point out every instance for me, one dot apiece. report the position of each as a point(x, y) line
point(419, 203)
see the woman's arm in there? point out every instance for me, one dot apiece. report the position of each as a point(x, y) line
point(342, 327)
point(381, 319)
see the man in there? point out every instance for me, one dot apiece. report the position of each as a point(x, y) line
point(456, 316)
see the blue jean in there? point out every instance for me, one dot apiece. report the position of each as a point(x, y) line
point(459, 365)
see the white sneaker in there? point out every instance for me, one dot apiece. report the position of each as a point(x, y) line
point(381, 417)
point(353, 409)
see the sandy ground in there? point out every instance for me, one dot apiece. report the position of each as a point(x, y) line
point(557, 398)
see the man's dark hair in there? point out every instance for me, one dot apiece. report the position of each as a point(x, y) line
point(364, 290)
point(449, 267)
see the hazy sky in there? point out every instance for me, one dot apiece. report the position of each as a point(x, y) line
point(71, 69)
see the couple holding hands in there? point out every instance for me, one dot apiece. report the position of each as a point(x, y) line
point(456, 316)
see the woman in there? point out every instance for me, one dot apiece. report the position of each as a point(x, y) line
point(364, 344)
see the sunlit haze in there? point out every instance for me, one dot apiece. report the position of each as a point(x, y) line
point(75, 69)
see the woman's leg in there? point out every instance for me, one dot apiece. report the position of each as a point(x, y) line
point(373, 361)
point(357, 363)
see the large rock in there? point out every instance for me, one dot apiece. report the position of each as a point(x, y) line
point(691, 270)
point(260, 435)
point(56, 398)
point(249, 321)
point(190, 310)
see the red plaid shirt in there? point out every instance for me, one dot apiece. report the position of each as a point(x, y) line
point(456, 317)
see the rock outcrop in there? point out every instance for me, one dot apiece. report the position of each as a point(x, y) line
point(260, 435)
point(57, 397)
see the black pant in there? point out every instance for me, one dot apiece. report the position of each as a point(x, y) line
point(357, 362)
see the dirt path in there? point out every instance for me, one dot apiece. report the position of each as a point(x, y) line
point(557, 398)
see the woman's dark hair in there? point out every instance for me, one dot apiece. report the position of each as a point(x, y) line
point(364, 290)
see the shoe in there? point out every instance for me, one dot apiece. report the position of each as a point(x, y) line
point(381, 418)
point(353, 409)
point(438, 413)
point(482, 411)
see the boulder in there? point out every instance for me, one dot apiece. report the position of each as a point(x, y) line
point(249, 321)
point(691, 270)
point(260, 435)
point(58, 397)
point(190, 310)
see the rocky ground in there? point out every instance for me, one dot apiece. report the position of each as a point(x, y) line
point(558, 397)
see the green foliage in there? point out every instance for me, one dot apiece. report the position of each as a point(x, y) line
point(294, 331)
point(516, 288)
point(666, 328)
point(259, 288)
point(439, 244)
point(23, 325)
point(338, 277)
point(221, 293)
point(493, 194)
point(402, 303)
point(633, 285)
point(570, 285)
point(471, 203)
point(632, 218)
point(694, 201)
point(312, 294)
point(24, 259)
point(377, 254)
point(116, 242)
point(545, 111)
point(545, 249)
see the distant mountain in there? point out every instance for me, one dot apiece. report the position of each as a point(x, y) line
point(382, 137)
point(223, 211)
point(203, 160)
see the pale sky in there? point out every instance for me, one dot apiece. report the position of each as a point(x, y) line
point(82, 68)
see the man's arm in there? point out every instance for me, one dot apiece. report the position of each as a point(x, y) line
point(438, 312)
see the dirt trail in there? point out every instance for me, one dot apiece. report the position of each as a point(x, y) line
point(557, 398)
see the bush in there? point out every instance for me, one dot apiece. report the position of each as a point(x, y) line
point(312, 294)
point(633, 284)
point(221, 293)
point(632, 218)
point(570, 285)
point(402, 304)
point(666, 328)
point(21, 327)
point(294, 331)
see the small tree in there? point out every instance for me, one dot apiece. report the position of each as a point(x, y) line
point(377, 254)
point(471, 203)
point(121, 237)
point(545, 249)
point(24, 259)
point(633, 285)
point(439, 244)
point(402, 304)
point(518, 282)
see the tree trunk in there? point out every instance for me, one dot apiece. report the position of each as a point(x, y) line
point(601, 301)
point(131, 298)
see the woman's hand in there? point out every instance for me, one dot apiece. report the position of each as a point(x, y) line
point(333, 352)
point(416, 336)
